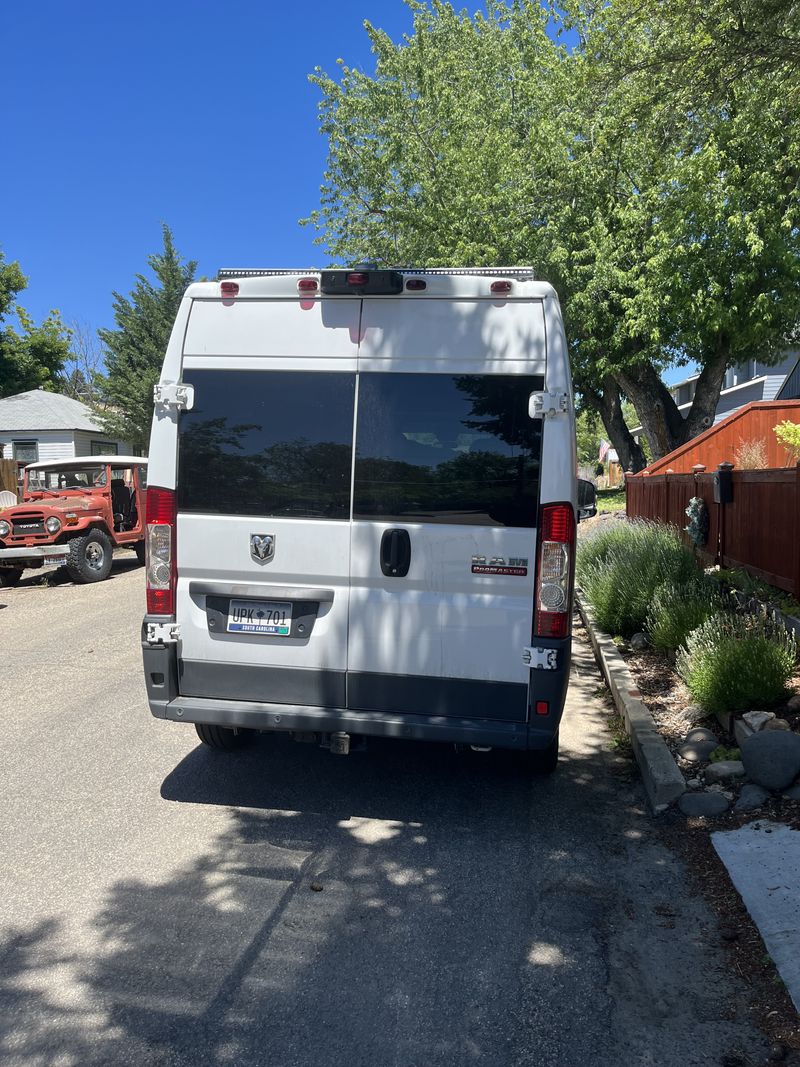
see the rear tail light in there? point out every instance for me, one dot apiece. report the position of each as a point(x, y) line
point(160, 551)
point(556, 565)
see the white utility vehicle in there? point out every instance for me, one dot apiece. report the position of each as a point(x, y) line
point(361, 510)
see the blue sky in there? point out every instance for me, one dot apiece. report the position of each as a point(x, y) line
point(118, 116)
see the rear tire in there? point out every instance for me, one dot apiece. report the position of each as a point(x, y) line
point(542, 760)
point(89, 557)
point(222, 737)
point(138, 548)
point(9, 577)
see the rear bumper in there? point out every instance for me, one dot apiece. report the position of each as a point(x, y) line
point(17, 555)
point(161, 669)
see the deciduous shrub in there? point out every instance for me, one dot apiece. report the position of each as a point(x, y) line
point(736, 662)
point(788, 433)
point(621, 567)
point(679, 608)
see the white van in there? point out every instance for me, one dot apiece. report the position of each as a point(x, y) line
point(361, 510)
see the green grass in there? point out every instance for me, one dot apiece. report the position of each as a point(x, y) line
point(611, 499)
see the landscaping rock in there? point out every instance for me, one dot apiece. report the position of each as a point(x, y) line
point(701, 733)
point(694, 783)
point(777, 724)
point(792, 793)
point(703, 804)
point(772, 758)
point(750, 798)
point(694, 714)
point(794, 702)
point(757, 719)
point(639, 642)
point(697, 751)
point(724, 770)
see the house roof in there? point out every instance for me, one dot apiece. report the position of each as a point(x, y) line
point(40, 410)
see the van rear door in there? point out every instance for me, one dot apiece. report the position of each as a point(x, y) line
point(445, 505)
point(263, 499)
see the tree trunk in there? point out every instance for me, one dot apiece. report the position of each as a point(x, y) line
point(709, 385)
point(662, 423)
point(609, 405)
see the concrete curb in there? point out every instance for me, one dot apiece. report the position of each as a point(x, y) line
point(663, 781)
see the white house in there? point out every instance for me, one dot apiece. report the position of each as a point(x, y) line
point(38, 425)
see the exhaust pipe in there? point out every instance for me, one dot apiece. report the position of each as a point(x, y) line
point(340, 744)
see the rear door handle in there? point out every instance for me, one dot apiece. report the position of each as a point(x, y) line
point(395, 553)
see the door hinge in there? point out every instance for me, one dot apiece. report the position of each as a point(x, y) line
point(162, 633)
point(547, 405)
point(540, 659)
point(174, 395)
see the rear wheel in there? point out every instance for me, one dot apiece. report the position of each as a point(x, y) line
point(138, 548)
point(89, 557)
point(9, 577)
point(542, 760)
point(222, 737)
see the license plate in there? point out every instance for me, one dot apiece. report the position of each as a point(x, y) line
point(54, 561)
point(260, 617)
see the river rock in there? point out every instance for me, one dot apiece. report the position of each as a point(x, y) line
point(792, 793)
point(703, 804)
point(724, 770)
point(701, 733)
point(794, 702)
point(750, 798)
point(697, 751)
point(757, 719)
point(639, 642)
point(772, 758)
point(777, 724)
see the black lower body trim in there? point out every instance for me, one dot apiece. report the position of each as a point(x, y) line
point(463, 698)
point(272, 685)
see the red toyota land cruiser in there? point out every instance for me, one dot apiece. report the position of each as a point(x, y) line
point(74, 513)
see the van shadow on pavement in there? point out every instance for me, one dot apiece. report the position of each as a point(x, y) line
point(468, 914)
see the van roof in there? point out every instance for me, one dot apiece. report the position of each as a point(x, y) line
point(452, 282)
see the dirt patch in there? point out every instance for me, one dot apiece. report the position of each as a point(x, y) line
point(770, 1005)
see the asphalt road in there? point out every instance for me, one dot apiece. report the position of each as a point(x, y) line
point(155, 900)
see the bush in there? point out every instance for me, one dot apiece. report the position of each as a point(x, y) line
point(737, 662)
point(679, 608)
point(751, 455)
point(788, 433)
point(621, 566)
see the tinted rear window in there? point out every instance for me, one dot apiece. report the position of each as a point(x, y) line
point(275, 443)
point(447, 449)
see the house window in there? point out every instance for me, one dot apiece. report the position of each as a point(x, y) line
point(26, 451)
point(104, 448)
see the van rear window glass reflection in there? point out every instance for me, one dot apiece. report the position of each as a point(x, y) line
point(447, 449)
point(267, 443)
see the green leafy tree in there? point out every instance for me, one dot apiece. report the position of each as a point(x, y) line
point(33, 356)
point(134, 351)
point(666, 216)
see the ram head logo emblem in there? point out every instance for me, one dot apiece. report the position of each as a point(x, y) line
point(262, 547)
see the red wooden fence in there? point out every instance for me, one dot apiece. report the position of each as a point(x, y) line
point(759, 530)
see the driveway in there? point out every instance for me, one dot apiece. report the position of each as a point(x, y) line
point(156, 903)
